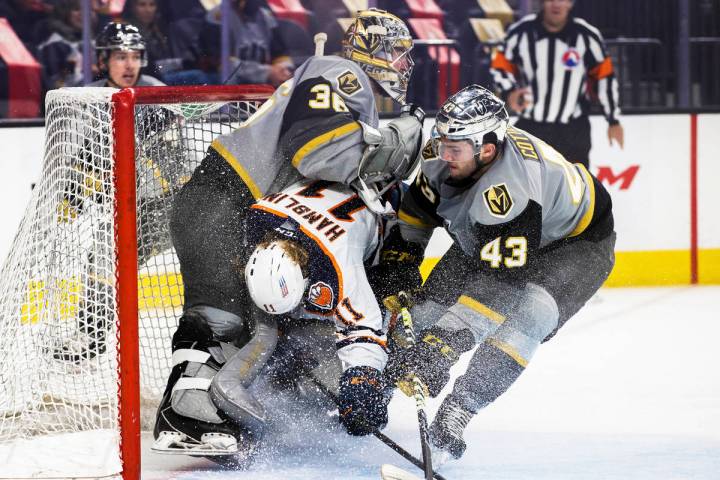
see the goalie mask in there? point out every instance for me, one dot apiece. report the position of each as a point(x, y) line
point(380, 43)
point(120, 36)
point(275, 278)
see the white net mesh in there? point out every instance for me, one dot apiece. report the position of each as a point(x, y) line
point(58, 322)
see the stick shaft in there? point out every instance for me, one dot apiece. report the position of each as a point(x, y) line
point(419, 395)
point(378, 434)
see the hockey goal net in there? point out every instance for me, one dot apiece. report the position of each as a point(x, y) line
point(91, 291)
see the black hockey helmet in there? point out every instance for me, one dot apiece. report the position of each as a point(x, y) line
point(120, 36)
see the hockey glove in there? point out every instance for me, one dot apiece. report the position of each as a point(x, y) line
point(362, 403)
point(436, 350)
point(399, 266)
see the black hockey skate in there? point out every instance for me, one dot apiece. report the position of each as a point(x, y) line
point(446, 431)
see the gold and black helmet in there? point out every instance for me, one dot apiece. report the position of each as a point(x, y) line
point(380, 43)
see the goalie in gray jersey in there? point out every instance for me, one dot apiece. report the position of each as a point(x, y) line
point(533, 241)
point(321, 124)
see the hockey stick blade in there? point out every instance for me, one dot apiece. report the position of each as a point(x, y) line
point(391, 472)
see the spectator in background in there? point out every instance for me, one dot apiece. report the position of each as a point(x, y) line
point(257, 52)
point(61, 52)
point(176, 10)
point(161, 57)
point(121, 53)
point(545, 69)
point(25, 16)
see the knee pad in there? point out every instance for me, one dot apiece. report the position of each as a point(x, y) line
point(534, 318)
point(538, 314)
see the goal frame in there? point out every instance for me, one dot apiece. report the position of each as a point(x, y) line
point(126, 246)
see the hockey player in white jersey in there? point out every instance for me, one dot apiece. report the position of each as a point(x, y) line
point(314, 242)
point(310, 246)
point(533, 241)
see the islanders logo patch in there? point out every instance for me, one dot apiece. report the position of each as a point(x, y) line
point(321, 295)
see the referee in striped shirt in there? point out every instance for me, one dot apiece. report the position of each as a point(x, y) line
point(546, 69)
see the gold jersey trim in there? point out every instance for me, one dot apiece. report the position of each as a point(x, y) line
point(411, 220)
point(482, 309)
point(587, 217)
point(509, 351)
point(320, 140)
point(244, 175)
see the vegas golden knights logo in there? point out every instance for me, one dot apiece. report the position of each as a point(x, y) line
point(428, 151)
point(498, 200)
point(349, 83)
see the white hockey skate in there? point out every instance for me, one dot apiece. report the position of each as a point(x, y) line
point(210, 444)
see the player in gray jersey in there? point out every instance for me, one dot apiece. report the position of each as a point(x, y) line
point(533, 241)
point(321, 124)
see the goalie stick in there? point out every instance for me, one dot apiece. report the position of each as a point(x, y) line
point(320, 39)
point(383, 438)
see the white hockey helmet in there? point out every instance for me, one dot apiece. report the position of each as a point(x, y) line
point(474, 114)
point(274, 278)
point(380, 43)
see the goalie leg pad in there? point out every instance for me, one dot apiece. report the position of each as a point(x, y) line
point(187, 419)
point(225, 326)
point(188, 422)
point(228, 389)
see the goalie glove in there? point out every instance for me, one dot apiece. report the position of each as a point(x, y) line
point(436, 350)
point(362, 402)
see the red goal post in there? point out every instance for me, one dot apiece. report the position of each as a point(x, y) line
point(126, 228)
point(90, 291)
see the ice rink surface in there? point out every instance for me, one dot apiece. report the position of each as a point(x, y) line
point(629, 389)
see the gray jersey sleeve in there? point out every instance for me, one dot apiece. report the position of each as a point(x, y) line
point(309, 127)
point(418, 215)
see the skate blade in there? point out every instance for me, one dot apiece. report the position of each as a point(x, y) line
point(391, 472)
point(211, 444)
